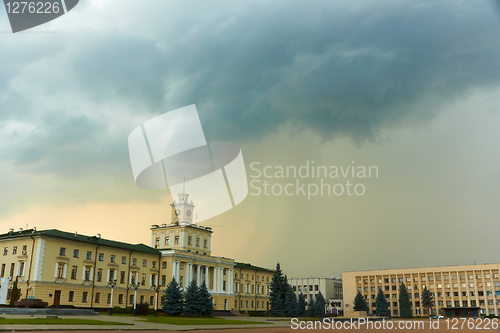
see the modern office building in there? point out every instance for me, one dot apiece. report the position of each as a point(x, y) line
point(331, 288)
point(452, 287)
point(64, 268)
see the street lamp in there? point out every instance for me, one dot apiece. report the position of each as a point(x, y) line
point(112, 284)
point(156, 289)
point(135, 286)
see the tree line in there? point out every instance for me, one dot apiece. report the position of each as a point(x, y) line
point(195, 301)
point(404, 303)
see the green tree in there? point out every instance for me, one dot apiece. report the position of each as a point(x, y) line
point(404, 302)
point(15, 294)
point(381, 304)
point(174, 304)
point(427, 299)
point(319, 305)
point(360, 303)
point(301, 305)
point(311, 308)
point(207, 300)
point(291, 306)
point(277, 293)
point(194, 304)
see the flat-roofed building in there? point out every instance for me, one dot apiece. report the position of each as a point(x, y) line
point(331, 288)
point(451, 286)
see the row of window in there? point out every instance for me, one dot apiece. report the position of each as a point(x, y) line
point(14, 250)
point(76, 254)
point(12, 268)
point(305, 289)
point(176, 241)
point(251, 288)
point(431, 278)
point(246, 304)
point(97, 298)
point(248, 277)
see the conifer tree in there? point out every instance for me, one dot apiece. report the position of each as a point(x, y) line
point(291, 305)
point(311, 307)
point(381, 304)
point(174, 304)
point(301, 305)
point(207, 300)
point(404, 302)
point(15, 294)
point(360, 303)
point(194, 304)
point(427, 299)
point(319, 305)
point(277, 293)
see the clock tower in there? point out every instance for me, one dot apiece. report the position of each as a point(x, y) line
point(182, 210)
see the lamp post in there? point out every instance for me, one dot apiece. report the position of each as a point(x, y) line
point(135, 286)
point(156, 289)
point(112, 284)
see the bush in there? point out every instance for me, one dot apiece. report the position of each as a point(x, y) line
point(256, 313)
point(117, 309)
point(128, 310)
point(142, 309)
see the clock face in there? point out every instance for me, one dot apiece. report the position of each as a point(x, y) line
point(177, 212)
point(188, 213)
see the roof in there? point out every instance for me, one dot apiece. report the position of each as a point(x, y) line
point(249, 266)
point(79, 238)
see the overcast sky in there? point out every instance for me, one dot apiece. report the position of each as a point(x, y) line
point(411, 87)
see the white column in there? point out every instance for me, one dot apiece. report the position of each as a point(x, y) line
point(189, 276)
point(115, 275)
point(108, 275)
point(130, 278)
point(207, 277)
point(198, 275)
point(57, 266)
point(137, 277)
point(177, 271)
point(91, 273)
point(219, 275)
point(231, 282)
point(174, 268)
point(65, 270)
point(215, 280)
point(83, 273)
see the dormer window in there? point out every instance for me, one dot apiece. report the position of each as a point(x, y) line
point(189, 240)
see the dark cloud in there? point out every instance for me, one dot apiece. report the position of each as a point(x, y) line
point(336, 68)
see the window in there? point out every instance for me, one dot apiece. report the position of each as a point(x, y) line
point(97, 297)
point(224, 285)
point(144, 263)
point(2, 272)
point(134, 261)
point(143, 281)
point(151, 300)
point(120, 299)
point(164, 264)
point(131, 299)
point(108, 298)
point(89, 255)
point(142, 298)
point(101, 256)
point(122, 277)
point(167, 239)
point(14, 250)
point(157, 242)
point(163, 280)
point(181, 281)
point(154, 264)
point(86, 276)
point(113, 258)
point(62, 251)
point(197, 241)
point(189, 240)
point(76, 253)
point(112, 274)
point(153, 279)
point(71, 296)
point(224, 272)
point(176, 239)
point(124, 260)
point(99, 274)
point(60, 270)
point(85, 296)
point(205, 243)
point(73, 272)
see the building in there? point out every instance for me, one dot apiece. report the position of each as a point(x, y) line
point(331, 288)
point(64, 268)
point(452, 287)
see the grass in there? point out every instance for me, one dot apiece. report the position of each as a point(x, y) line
point(55, 321)
point(198, 321)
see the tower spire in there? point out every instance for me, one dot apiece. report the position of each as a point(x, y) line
point(184, 186)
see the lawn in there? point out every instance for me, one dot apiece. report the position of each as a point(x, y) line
point(55, 321)
point(198, 321)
